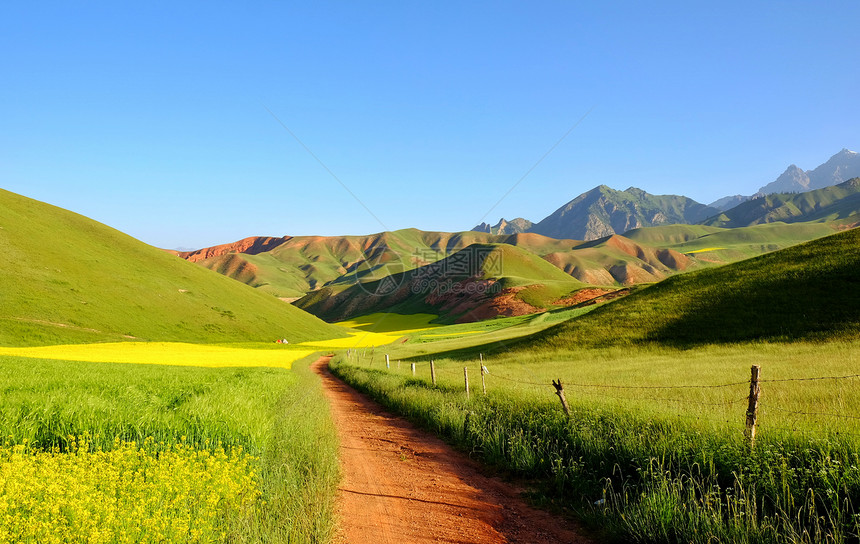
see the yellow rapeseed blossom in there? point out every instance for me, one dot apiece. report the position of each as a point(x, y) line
point(151, 493)
point(165, 353)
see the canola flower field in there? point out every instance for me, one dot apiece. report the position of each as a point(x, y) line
point(104, 452)
point(130, 493)
point(168, 442)
point(208, 355)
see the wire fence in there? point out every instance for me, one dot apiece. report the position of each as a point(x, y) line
point(752, 399)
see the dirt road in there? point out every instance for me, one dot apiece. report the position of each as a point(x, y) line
point(401, 485)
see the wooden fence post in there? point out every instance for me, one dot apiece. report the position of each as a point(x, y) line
point(387, 361)
point(433, 372)
point(413, 369)
point(559, 390)
point(466, 375)
point(483, 383)
point(752, 408)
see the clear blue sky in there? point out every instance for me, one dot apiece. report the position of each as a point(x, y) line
point(153, 118)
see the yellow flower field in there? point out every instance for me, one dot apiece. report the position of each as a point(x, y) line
point(209, 355)
point(165, 353)
point(154, 493)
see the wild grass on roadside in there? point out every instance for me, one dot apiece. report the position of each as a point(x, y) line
point(653, 465)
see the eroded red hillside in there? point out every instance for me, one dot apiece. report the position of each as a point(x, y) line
point(251, 245)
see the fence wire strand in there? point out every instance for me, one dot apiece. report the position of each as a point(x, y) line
point(812, 414)
point(764, 407)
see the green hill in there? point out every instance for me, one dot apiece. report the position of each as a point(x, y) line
point(478, 282)
point(811, 290)
point(715, 245)
point(305, 263)
point(619, 260)
point(836, 202)
point(67, 279)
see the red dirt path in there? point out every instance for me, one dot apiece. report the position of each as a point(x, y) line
point(401, 485)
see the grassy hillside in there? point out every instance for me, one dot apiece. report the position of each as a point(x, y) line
point(478, 282)
point(67, 279)
point(619, 260)
point(715, 245)
point(300, 265)
point(810, 290)
point(306, 263)
point(836, 202)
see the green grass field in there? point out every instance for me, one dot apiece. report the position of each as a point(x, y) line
point(185, 426)
point(655, 450)
point(170, 442)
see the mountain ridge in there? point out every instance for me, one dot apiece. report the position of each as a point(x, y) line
point(828, 203)
point(604, 211)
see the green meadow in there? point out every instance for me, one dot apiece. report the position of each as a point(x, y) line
point(273, 422)
point(656, 448)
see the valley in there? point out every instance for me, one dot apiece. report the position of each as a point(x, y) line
point(429, 272)
point(111, 349)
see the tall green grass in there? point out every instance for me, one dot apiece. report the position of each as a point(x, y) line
point(641, 466)
point(277, 415)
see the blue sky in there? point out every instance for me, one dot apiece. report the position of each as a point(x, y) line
point(154, 118)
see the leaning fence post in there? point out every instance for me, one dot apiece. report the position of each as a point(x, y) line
point(466, 375)
point(483, 383)
point(752, 408)
point(559, 390)
point(387, 362)
point(433, 372)
point(413, 369)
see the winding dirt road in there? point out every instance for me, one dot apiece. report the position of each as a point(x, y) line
point(401, 485)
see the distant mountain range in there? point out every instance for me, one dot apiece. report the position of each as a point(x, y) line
point(604, 211)
point(830, 203)
point(514, 226)
point(576, 253)
point(838, 168)
point(473, 275)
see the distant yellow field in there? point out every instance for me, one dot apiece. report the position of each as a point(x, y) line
point(392, 324)
point(361, 335)
point(704, 250)
point(165, 353)
point(451, 334)
point(209, 355)
point(357, 339)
